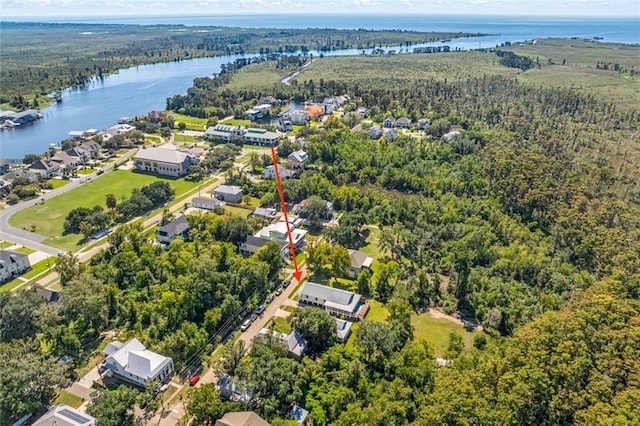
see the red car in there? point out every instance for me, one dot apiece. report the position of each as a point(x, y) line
point(194, 379)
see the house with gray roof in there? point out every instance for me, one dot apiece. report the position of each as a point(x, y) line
point(12, 264)
point(176, 228)
point(334, 300)
point(266, 213)
point(402, 122)
point(205, 203)
point(21, 173)
point(343, 330)
point(228, 193)
point(389, 122)
point(295, 344)
point(134, 363)
point(46, 168)
point(359, 261)
point(297, 158)
point(232, 390)
point(163, 161)
point(252, 244)
point(64, 415)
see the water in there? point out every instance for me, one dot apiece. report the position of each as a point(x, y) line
point(136, 91)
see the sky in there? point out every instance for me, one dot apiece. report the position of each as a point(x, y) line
point(71, 8)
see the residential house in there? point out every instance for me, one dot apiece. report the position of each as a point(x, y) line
point(66, 161)
point(91, 147)
point(252, 244)
point(299, 117)
point(285, 125)
point(423, 123)
point(270, 173)
point(450, 135)
point(76, 134)
point(5, 187)
point(241, 418)
point(12, 264)
point(329, 105)
point(361, 111)
point(228, 193)
point(343, 330)
point(136, 364)
point(375, 132)
point(22, 174)
point(64, 415)
point(231, 390)
point(261, 137)
point(82, 155)
point(268, 100)
point(4, 165)
point(301, 211)
point(278, 232)
point(295, 344)
point(389, 122)
point(402, 122)
point(176, 228)
point(334, 300)
point(46, 168)
point(297, 159)
point(299, 414)
point(46, 294)
point(359, 261)
point(22, 117)
point(391, 133)
point(118, 129)
point(163, 161)
point(265, 213)
point(258, 112)
point(206, 203)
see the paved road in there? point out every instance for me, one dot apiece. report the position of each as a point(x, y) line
point(30, 239)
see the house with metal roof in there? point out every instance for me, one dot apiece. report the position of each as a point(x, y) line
point(295, 344)
point(162, 161)
point(334, 300)
point(205, 203)
point(176, 228)
point(64, 415)
point(343, 330)
point(228, 193)
point(12, 264)
point(136, 364)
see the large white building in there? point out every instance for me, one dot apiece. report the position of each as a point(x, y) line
point(12, 264)
point(334, 300)
point(134, 363)
point(252, 136)
point(278, 232)
point(166, 162)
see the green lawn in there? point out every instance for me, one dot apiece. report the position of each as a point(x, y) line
point(372, 248)
point(57, 183)
point(282, 325)
point(25, 250)
point(237, 211)
point(48, 217)
point(5, 244)
point(192, 123)
point(179, 137)
point(86, 171)
point(377, 311)
point(65, 397)
point(11, 285)
point(436, 331)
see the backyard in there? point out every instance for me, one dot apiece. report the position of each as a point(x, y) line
point(48, 217)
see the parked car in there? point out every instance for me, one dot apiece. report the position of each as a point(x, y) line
point(269, 298)
point(254, 317)
point(245, 324)
point(286, 283)
point(194, 379)
point(99, 172)
point(279, 290)
point(260, 309)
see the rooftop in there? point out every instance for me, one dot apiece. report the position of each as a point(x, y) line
point(333, 297)
point(63, 415)
point(136, 359)
point(162, 155)
point(228, 189)
point(241, 418)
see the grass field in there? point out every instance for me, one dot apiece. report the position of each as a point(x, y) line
point(25, 250)
point(436, 331)
point(5, 244)
point(257, 76)
point(48, 217)
point(57, 183)
point(179, 137)
point(282, 325)
point(192, 123)
point(372, 248)
point(65, 397)
point(237, 211)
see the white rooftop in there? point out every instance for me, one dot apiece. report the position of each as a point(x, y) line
point(162, 155)
point(64, 415)
point(136, 359)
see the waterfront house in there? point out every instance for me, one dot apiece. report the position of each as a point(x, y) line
point(334, 300)
point(134, 363)
point(162, 161)
point(228, 193)
point(46, 168)
point(4, 165)
point(12, 264)
point(299, 117)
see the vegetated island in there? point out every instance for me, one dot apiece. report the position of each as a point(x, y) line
point(39, 58)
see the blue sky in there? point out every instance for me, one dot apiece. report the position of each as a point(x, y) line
point(70, 8)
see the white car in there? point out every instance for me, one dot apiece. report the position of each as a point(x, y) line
point(245, 324)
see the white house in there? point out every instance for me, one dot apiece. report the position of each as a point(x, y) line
point(206, 203)
point(299, 117)
point(261, 137)
point(343, 330)
point(334, 300)
point(134, 363)
point(278, 232)
point(270, 173)
point(166, 162)
point(389, 122)
point(293, 342)
point(12, 264)
point(64, 415)
point(46, 168)
point(252, 244)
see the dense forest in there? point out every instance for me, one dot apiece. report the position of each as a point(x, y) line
point(524, 212)
point(38, 58)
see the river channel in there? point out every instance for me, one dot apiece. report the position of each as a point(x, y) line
point(136, 91)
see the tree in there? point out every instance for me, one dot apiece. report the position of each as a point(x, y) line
point(30, 158)
point(204, 404)
point(113, 408)
point(315, 210)
point(68, 266)
point(317, 326)
point(28, 380)
point(111, 202)
point(400, 321)
point(232, 355)
point(19, 315)
point(318, 252)
point(340, 260)
point(85, 304)
point(456, 345)
point(376, 341)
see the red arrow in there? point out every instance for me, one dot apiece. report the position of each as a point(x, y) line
point(297, 274)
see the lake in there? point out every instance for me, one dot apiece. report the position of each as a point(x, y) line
point(136, 91)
